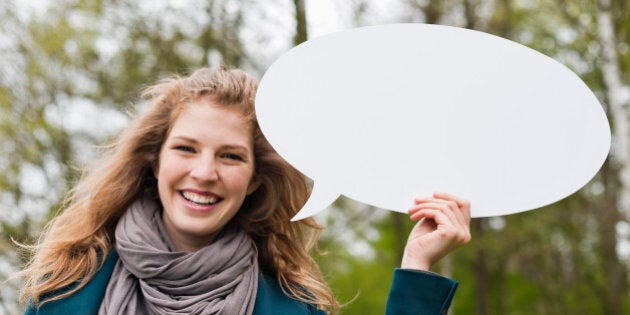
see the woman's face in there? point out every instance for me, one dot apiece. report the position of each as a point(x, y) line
point(205, 170)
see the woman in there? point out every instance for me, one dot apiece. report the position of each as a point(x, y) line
point(188, 212)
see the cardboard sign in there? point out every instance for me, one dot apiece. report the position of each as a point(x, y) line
point(385, 113)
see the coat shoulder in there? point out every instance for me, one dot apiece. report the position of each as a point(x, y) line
point(85, 301)
point(270, 299)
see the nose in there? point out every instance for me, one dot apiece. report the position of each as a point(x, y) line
point(205, 170)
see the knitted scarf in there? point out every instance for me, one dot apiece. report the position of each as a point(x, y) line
point(152, 278)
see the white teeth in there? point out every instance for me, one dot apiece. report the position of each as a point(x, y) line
point(200, 199)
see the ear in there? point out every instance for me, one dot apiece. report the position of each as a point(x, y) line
point(254, 183)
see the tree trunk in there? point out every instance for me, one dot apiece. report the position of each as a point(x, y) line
point(618, 196)
point(301, 33)
point(471, 16)
point(400, 236)
point(618, 99)
point(614, 290)
point(482, 274)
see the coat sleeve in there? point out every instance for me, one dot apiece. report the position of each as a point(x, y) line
point(419, 292)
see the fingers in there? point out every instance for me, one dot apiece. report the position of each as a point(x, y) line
point(448, 212)
point(464, 204)
point(439, 216)
point(448, 208)
point(445, 225)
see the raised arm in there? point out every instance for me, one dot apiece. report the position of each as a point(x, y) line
point(443, 226)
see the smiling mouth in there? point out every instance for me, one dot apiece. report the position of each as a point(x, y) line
point(200, 199)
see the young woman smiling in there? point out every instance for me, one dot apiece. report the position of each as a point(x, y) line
point(188, 212)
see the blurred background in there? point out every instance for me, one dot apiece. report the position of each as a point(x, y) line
point(70, 70)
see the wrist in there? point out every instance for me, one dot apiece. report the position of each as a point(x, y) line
point(416, 263)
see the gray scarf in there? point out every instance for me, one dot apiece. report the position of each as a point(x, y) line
point(152, 278)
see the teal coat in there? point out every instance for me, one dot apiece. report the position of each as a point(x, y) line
point(412, 292)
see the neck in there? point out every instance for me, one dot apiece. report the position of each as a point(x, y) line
point(187, 242)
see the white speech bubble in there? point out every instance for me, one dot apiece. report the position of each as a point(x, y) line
point(385, 113)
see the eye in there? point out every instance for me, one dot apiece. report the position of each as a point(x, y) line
point(232, 156)
point(184, 148)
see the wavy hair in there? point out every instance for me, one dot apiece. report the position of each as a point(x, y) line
point(74, 244)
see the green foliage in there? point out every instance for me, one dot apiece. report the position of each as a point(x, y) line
point(362, 282)
point(86, 55)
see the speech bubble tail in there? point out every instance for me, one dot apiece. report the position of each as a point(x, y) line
point(320, 199)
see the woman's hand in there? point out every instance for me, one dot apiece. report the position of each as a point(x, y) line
point(444, 226)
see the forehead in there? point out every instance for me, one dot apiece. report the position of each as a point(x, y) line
point(203, 119)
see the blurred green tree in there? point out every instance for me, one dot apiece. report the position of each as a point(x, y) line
point(68, 72)
point(568, 258)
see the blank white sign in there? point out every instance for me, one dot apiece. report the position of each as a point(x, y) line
point(385, 113)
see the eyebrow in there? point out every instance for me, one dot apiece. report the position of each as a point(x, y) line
point(184, 138)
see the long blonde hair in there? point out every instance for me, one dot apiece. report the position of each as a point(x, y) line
point(75, 243)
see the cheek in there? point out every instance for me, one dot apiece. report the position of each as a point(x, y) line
point(238, 181)
point(162, 182)
point(168, 171)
